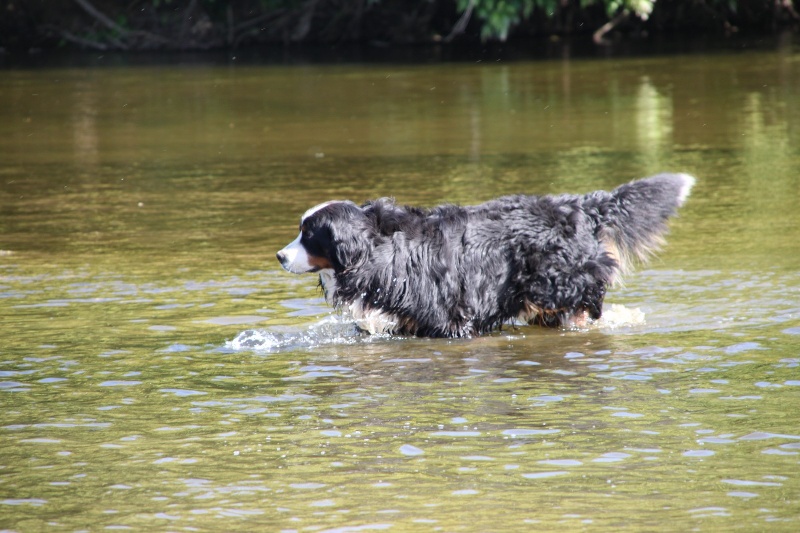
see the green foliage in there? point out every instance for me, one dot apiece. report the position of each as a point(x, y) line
point(498, 17)
point(641, 8)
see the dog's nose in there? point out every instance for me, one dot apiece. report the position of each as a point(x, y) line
point(281, 256)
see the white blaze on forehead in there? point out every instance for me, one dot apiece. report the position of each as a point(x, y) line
point(317, 208)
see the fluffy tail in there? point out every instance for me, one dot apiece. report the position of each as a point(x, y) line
point(632, 219)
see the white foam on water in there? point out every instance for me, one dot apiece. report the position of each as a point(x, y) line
point(618, 316)
point(331, 330)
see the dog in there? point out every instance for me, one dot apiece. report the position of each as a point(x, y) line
point(453, 271)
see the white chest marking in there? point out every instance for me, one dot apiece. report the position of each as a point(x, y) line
point(371, 320)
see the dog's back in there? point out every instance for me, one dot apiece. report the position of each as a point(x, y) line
point(560, 253)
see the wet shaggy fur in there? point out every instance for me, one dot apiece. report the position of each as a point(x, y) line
point(454, 271)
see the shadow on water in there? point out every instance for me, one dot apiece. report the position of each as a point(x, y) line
point(533, 49)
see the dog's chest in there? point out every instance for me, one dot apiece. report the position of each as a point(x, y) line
point(367, 318)
point(328, 282)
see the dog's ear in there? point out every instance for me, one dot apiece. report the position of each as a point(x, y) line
point(352, 237)
point(350, 253)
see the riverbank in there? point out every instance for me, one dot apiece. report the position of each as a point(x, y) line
point(196, 25)
point(569, 48)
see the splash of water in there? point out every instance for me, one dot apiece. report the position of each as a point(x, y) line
point(619, 316)
point(333, 329)
point(342, 329)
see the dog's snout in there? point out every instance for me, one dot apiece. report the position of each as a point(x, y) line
point(294, 258)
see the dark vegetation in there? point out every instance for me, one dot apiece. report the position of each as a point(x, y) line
point(214, 24)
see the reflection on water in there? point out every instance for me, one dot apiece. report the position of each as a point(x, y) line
point(84, 124)
point(159, 371)
point(653, 121)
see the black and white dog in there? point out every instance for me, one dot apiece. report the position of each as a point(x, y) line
point(454, 271)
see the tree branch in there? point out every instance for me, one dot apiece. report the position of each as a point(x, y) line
point(85, 43)
point(122, 32)
point(187, 17)
point(304, 23)
point(599, 36)
point(461, 25)
point(101, 17)
point(787, 5)
point(258, 20)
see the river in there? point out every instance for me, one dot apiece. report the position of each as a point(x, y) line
point(159, 371)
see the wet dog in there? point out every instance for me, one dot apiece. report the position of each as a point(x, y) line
point(454, 271)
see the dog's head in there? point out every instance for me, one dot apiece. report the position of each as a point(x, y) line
point(333, 236)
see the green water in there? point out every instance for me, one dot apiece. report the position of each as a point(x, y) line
point(140, 211)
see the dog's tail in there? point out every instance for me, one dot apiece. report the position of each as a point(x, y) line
point(632, 219)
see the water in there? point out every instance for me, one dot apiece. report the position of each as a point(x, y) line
point(159, 371)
